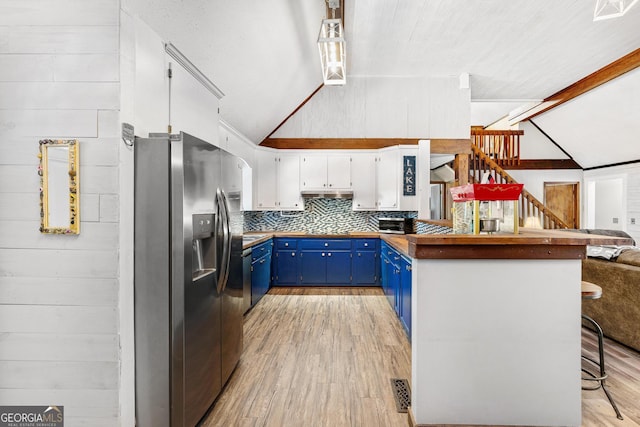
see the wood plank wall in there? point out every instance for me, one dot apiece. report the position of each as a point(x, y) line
point(59, 78)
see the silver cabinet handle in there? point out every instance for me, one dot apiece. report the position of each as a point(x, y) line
point(286, 244)
point(329, 254)
point(293, 254)
point(366, 244)
point(326, 244)
point(322, 253)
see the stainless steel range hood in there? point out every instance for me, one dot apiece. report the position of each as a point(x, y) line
point(329, 194)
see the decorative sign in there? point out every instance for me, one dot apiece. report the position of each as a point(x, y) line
point(409, 176)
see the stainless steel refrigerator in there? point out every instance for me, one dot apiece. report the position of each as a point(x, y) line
point(188, 276)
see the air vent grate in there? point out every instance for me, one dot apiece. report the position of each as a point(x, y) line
point(401, 393)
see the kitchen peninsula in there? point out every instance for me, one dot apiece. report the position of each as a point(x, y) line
point(496, 327)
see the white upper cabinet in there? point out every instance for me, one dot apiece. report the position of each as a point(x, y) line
point(277, 181)
point(376, 177)
point(266, 182)
point(396, 175)
point(387, 177)
point(363, 172)
point(325, 172)
point(339, 172)
point(289, 182)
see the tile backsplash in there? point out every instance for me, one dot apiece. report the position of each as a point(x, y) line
point(326, 216)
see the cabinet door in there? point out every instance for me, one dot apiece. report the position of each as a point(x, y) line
point(339, 268)
point(405, 280)
point(387, 280)
point(365, 268)
point(339, 172)
point(257, 276)
point(266, 181)
point(363, 180)
point(265, 274)
point(286, 267)
point(387, 180)
point(313, 172)
point(289, 182)
point(313, 267)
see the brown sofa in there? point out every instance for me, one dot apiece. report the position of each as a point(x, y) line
point(618, 310)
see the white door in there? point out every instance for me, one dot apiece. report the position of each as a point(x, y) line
point(363, 178)
point(609, 210)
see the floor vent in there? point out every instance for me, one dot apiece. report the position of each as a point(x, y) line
point(402, 393)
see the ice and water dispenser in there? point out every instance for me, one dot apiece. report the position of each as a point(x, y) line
point(204, 256)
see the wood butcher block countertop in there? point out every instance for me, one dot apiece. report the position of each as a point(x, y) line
point(527, 244)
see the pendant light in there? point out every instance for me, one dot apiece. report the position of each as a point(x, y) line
point(606, 9)
point(331, 46)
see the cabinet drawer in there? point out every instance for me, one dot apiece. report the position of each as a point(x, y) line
point(325, 244)
point(260, 250)
point(365, 243)
point(286, 243)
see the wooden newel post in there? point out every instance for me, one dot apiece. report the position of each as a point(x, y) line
point(461, 166)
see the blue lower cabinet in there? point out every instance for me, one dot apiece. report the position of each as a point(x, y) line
point(405, 294)
point(285, 267)
point(260, 270)
point(325, 267)
point(388, 276)
point(320, 261)
point(395, 276)
point(365, 265)
point(325, 261)
point(313, 267)
point(339, 268)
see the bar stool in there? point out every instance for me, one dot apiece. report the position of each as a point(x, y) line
point(593, 291)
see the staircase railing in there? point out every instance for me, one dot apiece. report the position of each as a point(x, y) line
point(528, 205)
point(503, 146)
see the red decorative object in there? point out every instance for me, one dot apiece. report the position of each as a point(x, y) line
point(470, 192)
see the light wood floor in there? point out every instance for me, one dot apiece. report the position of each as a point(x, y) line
point(325, 357)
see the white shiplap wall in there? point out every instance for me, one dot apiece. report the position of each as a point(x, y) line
point(59, 78)
point(384, 107)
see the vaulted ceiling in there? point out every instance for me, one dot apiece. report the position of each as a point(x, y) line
point(263, 55)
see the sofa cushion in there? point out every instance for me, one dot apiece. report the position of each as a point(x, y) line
point(630, 257)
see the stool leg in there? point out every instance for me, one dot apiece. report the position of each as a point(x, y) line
point(600, 363)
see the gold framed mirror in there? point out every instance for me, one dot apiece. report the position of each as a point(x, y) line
point(59, 186)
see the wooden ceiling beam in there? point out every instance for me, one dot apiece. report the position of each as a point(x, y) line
point(617, 68)
point(438, 146)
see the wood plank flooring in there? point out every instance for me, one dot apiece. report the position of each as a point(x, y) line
point(325, 356)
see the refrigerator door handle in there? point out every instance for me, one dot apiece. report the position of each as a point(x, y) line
point(226, 240)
